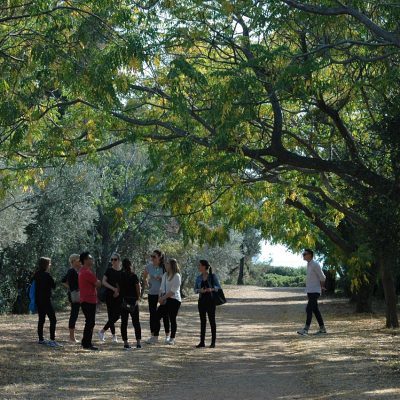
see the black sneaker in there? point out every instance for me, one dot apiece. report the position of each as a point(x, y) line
point(43, 341)
point(200, 345)
point(127, 347)
point(138, 346)
point(92, 348)
point(212, 346)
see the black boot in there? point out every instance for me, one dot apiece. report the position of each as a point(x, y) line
point(201, 344)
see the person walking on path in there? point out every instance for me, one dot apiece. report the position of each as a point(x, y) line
point(170, 298)
point(111, 281)
point(315, 282)
point(206, 284)
point(130, 295)
point(70, 281)
point(152, 276)
point(88, 284)
point(44, 286)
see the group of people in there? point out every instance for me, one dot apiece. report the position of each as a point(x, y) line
point(120, 288)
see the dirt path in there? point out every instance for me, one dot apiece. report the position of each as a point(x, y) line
point(258, 356)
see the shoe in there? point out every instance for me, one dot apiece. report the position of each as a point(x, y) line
point(212, 346)
point(303, 332)
point(171, 342)
point(114, 339)
point(138, 346)
point(152, 340)
point(321, 331)
point(93, 348)
point(43, 341)
point(200, 345)
point(102, 336)
point(74, 340)
point(127, 347)
point(167, 339)
point(53, 343)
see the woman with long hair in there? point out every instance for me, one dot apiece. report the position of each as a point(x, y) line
point(111, 281)
point(70, 281)
point(152, 276)
point(206, 285)
point(130, 295)
point(170, 296)
point(44, 286)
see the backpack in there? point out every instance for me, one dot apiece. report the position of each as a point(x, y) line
point(31, 291)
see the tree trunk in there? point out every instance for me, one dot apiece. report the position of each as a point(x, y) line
point(240, 280)
point(366, 290)
point(389, 288)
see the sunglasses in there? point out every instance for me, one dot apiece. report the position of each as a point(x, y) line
point(114, 259)
point(153, 256)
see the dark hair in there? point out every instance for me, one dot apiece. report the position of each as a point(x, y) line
point(43, 263)
point(84, 256)
point(127, 266)
point(162, 259)
point(206, 264)
point(309, 251)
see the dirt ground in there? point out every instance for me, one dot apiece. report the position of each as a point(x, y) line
point(258, 356)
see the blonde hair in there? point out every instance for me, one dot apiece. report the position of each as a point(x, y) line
point(72, 258)
point(174, 268)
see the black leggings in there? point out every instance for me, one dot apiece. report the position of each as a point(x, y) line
point(312, 307)
point(89, 311)
point(73, 315)
point(135, 322)
point(154, 321)
point(114, 312)
point(43, 310)
point(207, 307)
point(169, 309)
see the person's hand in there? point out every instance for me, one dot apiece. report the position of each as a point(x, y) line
point(158, 277)
point(116, 292)
point(208, 290)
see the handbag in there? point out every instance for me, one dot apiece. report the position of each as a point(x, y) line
point(75, 296)
point(129, 303)
point(218, 296)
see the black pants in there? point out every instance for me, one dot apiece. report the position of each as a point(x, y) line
point(73, 315)
point(154, 320)
point(114, 312)
point(207, 307)
point(135, 322)
point(43, 310)
point(312, 307)
point(89, 311)
point(169, 309)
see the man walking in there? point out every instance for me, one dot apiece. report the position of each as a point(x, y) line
point(88, 283)
point(315, 282)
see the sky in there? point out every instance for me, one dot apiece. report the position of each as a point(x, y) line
point(280, 255)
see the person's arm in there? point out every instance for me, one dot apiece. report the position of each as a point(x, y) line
point(217, 285)
point(64, 281)
point(321, 275)
point(108, 286)
point(52, 282)
point(145, 277)
point(175, 285)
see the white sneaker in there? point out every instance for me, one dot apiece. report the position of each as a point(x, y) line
point(321, 331)
point(171, 342)
point(114, 339)
point(303, 332)
point(102, 336)
point(152, 340)
point(167, 339)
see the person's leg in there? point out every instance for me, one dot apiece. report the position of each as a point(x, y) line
point(211, 318)
point(109, 316)
point(316, 311)
point(172, 309)
point(309, 310)
point(53, 321)
point(203, 321)
point(166, 325)
point(152, 300)
point(72, 320)
point(89, 311)
point(124, 325)
point(115, 314)
point(136, 324)
point(42, 317)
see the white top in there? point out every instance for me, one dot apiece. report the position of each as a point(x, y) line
point(173, 285)
point(314, 277)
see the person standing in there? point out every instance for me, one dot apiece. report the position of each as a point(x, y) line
point(315, 282)
point(206, 284)
point(70, 281)
point(111, 280)
point(152, 276)
point(88, 284)
point(170, 297)
point(130, 295)
point(44, 284)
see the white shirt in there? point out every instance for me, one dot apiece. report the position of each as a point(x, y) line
point(314, 277)
point(173, 285)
